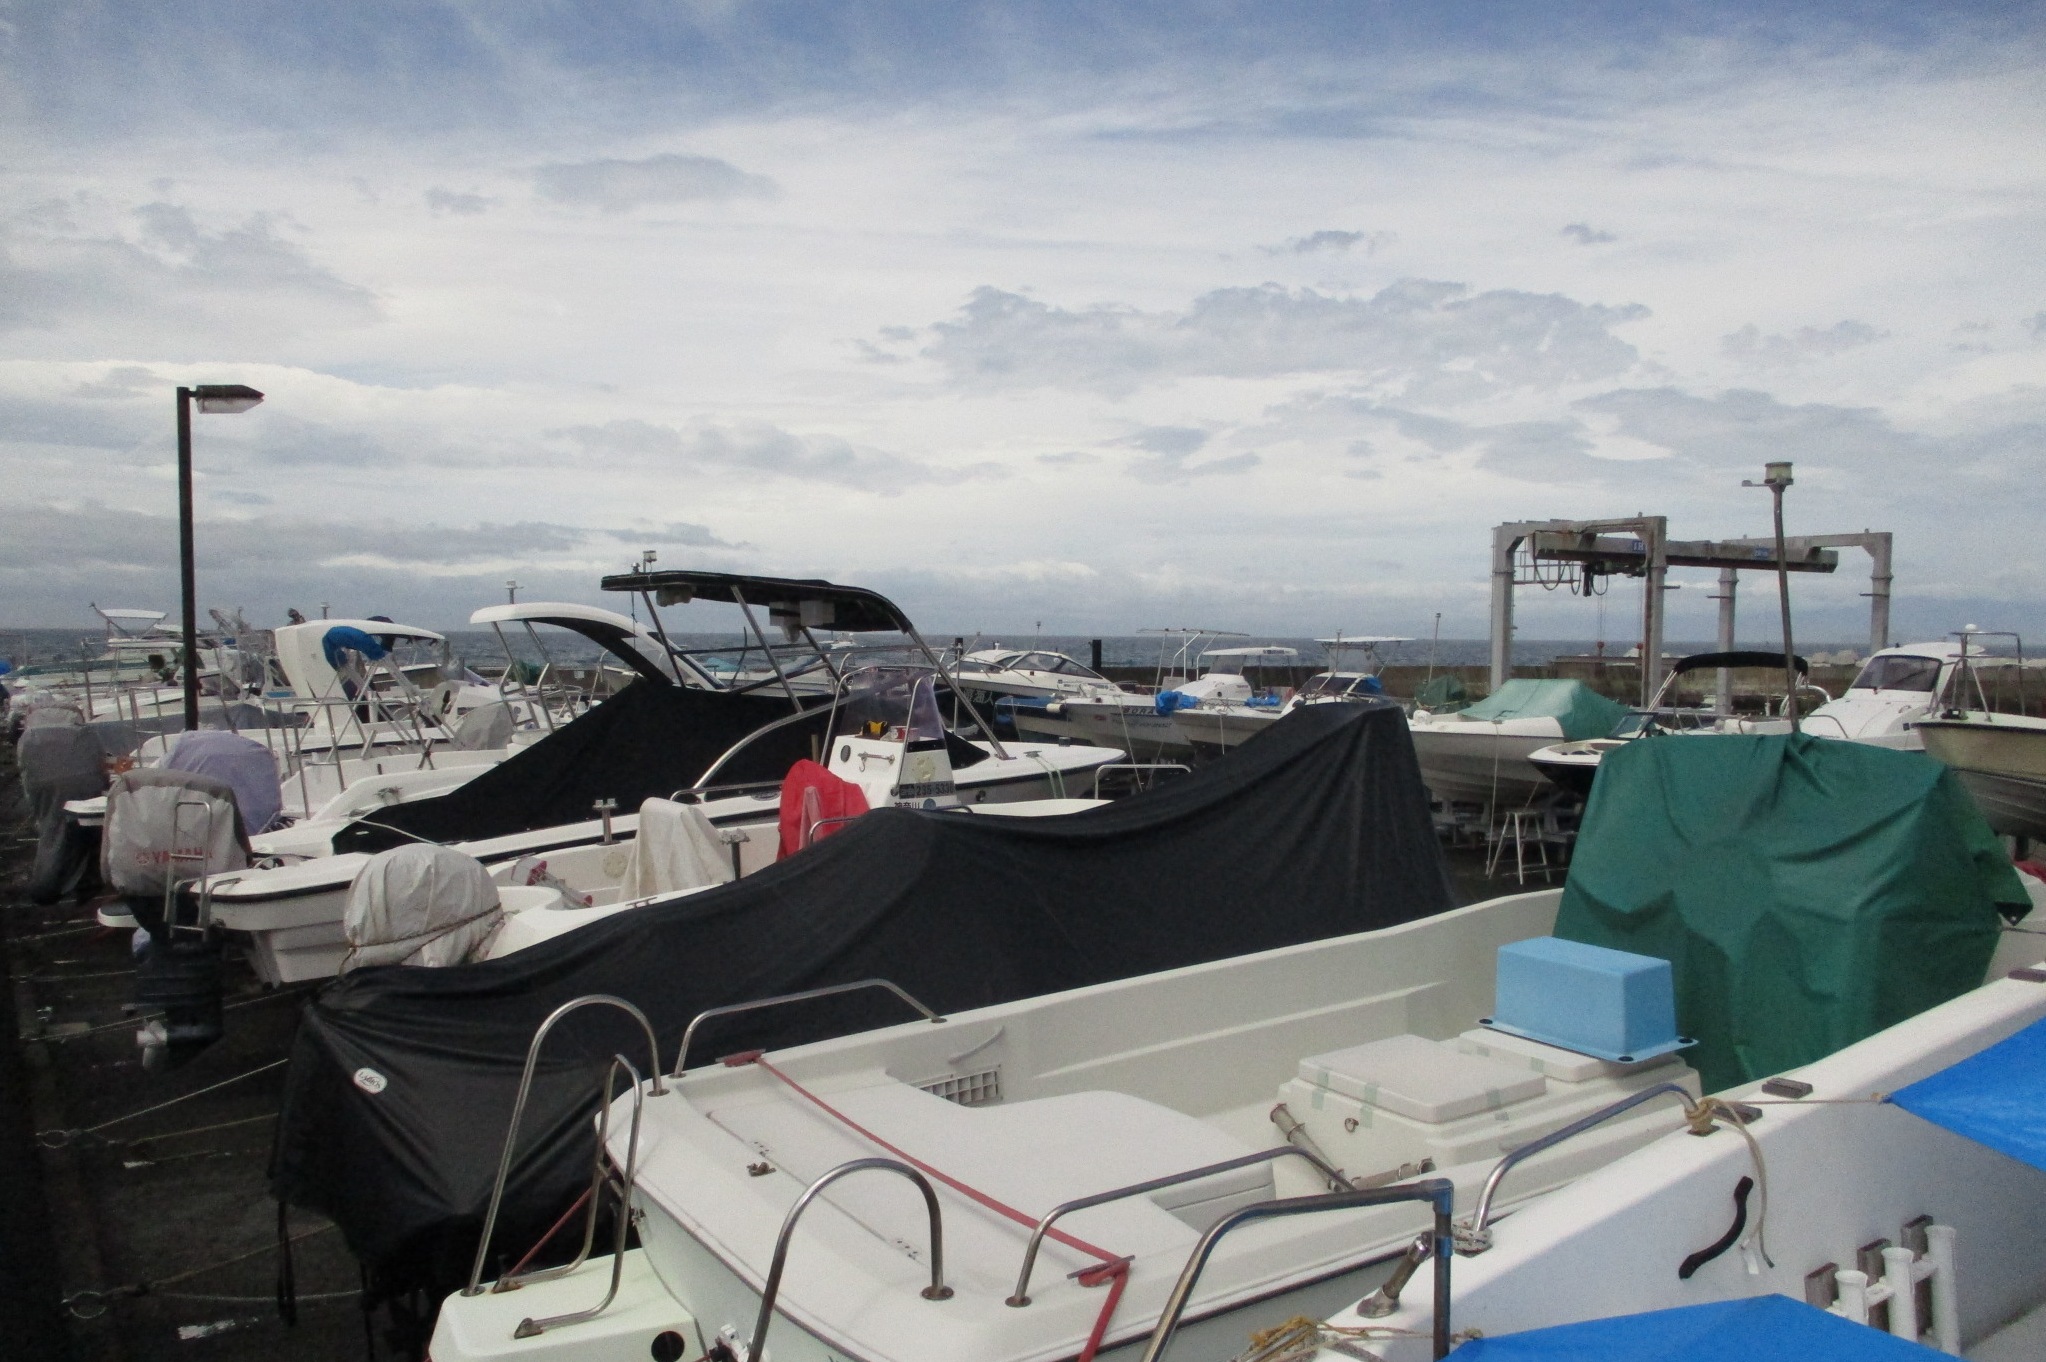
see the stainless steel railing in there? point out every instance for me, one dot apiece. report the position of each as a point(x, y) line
point(598, 1175)
point(936, 1291)
point(689, 1033)
point(1021, 1296)
point(1438, 1192)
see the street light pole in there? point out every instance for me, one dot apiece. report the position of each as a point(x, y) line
point(1776, 477)
point(225, 399)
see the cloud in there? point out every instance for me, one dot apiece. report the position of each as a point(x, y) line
point(1336, 241)
point(682, 533)
point(168, 283)
point(461, 205)
point(619, 186)
point(1432, 341)
point(120, 383)
point(2037, 324)
point(1742, 428)
point(1750, 346)
point(1584, 234)
point(1167, 450)
point(1069, 458)
point(757, 447)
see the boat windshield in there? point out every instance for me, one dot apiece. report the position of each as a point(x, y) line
point(1899, 672)
point(895, 702)
point(1058, 663)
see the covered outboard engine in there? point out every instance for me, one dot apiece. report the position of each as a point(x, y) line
point(61, 759)
point(166, 829)
point(420, 904)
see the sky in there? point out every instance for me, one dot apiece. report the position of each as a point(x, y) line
point(1244, 316)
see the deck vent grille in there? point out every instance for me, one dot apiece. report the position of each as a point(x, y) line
point(968, 1090)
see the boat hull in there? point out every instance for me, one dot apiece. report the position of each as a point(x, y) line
point(2002, 764)
point(1479, 763)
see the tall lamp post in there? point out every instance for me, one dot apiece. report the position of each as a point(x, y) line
point(224, 399)
point(1776, 477)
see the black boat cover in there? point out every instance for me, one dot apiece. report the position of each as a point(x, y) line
point(402, 1079)
point(649, 739)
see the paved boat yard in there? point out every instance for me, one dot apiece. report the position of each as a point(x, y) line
point(136, 1223)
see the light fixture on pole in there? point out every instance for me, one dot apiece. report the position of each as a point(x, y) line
point(1776, 477)
point(214, 399)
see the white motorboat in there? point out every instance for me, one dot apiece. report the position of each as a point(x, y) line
point(1144, 725)
point(1679, 708)
point(1839, 1197)
point(1170, 1100)
point(1479, 755)
point(1895, 689)
point(1213, 726)
point(1076, 1147)
point(1017, 687)
point(290, 915)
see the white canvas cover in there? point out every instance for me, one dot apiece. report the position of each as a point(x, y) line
point(677, 848)
point(420, 904)
point(484, 727)
point(164, 825)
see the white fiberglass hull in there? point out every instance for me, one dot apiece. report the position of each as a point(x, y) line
point(1090, 1089)
point(1483, 763)
point(1212, 732)
point(1843, 1169)
point(1136, 727)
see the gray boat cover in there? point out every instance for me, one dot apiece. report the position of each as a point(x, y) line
point(419, 904)
point(61, 759)
point(242, 764)
point(1317, 827)
point(164, 825)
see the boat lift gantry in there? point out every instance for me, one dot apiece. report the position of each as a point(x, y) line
point(1640, 546)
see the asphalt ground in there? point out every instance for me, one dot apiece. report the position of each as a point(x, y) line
point(136, 1223)
point(151, 1235)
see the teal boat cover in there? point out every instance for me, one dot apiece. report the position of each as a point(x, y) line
point(1582, 711)
point(1808, 892)
point(1996, 1097)
point(1757, 1329)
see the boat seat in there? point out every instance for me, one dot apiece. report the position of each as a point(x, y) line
point(676, 848)
point(1032, 1155)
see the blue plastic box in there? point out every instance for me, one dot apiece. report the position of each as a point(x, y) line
point(1609, 1004)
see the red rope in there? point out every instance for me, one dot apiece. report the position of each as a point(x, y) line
point(534, 1251)
point(1113, 1268)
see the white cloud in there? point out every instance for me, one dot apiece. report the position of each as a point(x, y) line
point(618, 186)
point(1428, 340)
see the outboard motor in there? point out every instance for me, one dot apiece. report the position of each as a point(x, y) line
point(166, 830)
point(61, 759)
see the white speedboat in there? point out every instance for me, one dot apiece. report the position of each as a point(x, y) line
point(1573, 765)
point(1479, 755)
point(1074, 1149)
point(1895, 689)
point(1017, 688)
point(1213, 726)
point(726, 749)
point(1144, 724)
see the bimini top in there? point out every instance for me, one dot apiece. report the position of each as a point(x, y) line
point(1700, 661)
point(812, 603)
point(625, 639)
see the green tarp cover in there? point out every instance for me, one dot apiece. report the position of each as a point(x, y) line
point(1808, 892)
point(1583, 712)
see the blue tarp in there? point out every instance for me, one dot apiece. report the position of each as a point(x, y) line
point(1758, 1329)
point(343, 636)
point(1168, 700)
point(1996, 1097)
